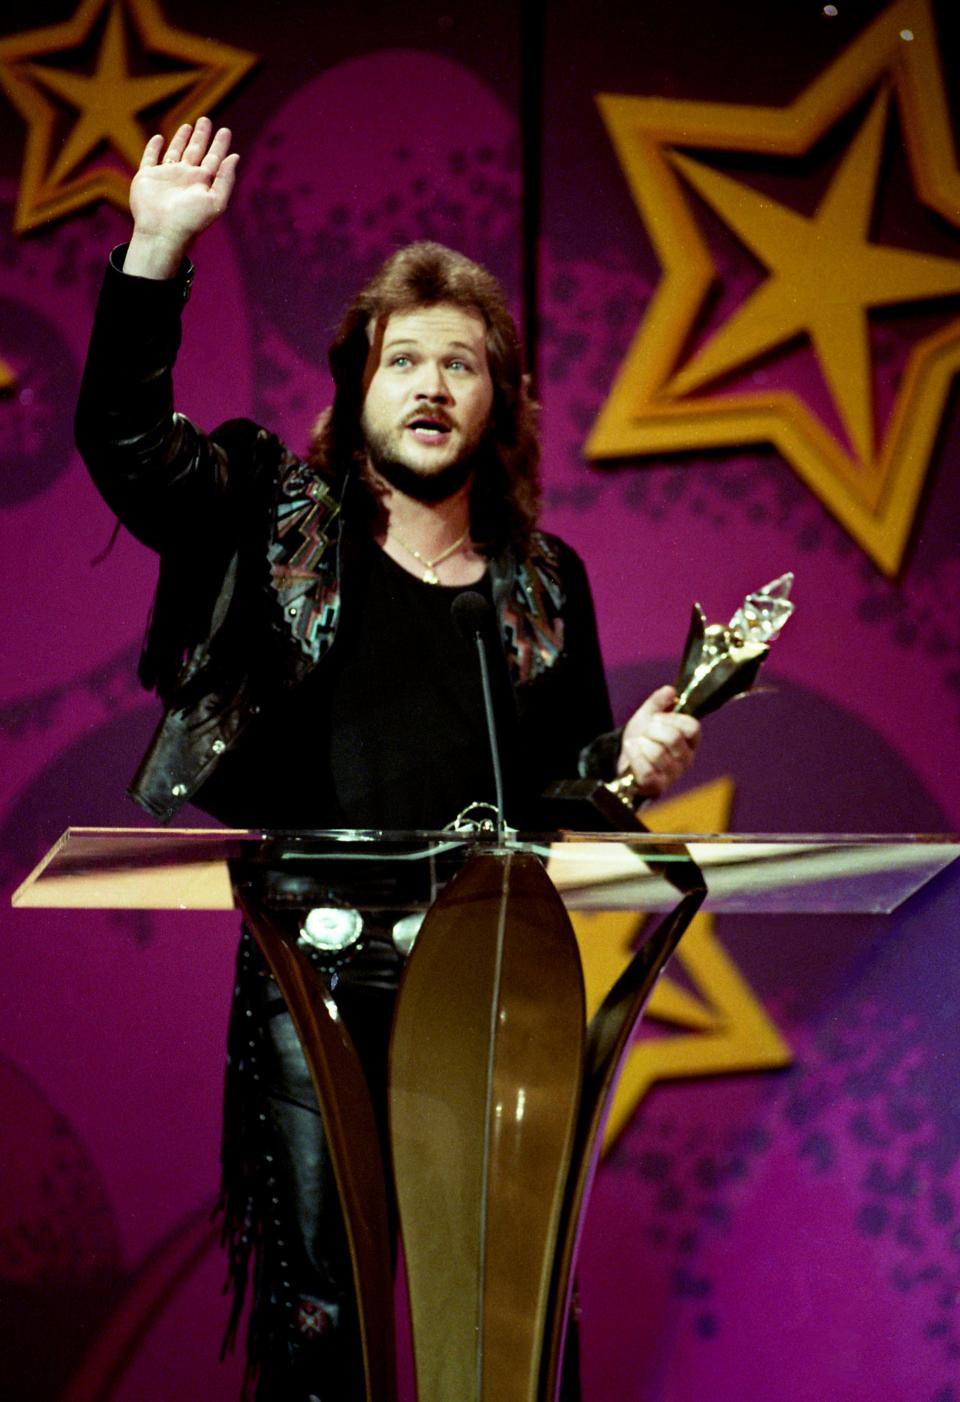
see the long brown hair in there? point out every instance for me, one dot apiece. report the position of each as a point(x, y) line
point(505, 496)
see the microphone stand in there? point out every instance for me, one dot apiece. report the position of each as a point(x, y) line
point(471, 613)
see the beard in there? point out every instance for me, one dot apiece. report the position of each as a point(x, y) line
point(429, 486)
point(424, 486)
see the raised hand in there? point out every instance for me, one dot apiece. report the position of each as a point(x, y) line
point(176, 194)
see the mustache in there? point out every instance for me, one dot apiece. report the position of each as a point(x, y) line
point(433, 416)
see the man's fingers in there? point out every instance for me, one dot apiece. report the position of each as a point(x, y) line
point(646, 754)
point(151, 152)
point(677, 733)
point(664, 753)
point(689, 727)
point(658, 744)
point(196, 147)
point(657, 703)
point(224, 179)
point(651, 777)
point(663, 699)
point(178, 143)
point(219, 147)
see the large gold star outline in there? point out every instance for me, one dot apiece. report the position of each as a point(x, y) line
point(823, 275)
point(107, 102)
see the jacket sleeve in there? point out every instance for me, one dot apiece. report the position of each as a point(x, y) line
point(565, 724)
point(589, 715)
point(166, 481)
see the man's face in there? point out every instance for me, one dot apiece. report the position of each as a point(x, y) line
point(429, 392)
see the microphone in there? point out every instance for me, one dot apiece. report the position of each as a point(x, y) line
point(474, 617)
point(471, 613)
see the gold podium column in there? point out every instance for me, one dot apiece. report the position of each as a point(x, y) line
point(485, 1072)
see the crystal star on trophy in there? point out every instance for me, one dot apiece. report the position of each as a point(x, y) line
point(722, 662)
point(719, 662)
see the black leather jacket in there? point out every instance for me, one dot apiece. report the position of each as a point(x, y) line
point(250, 541)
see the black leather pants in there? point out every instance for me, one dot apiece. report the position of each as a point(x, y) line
point(282, 1212)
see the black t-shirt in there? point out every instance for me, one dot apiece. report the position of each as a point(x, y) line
point(388, 731)
point(408, 746)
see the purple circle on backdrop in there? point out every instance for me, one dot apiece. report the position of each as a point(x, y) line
point(36, 414)
point(379, 151)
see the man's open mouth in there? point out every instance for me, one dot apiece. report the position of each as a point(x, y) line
point(427, 428)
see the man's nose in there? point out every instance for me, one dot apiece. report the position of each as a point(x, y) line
point(433, 384)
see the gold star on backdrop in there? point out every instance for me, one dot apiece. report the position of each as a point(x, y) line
point(823, 275)
point(724, 1028)
point(43, 78)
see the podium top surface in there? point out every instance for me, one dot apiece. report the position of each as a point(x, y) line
point(190, 868)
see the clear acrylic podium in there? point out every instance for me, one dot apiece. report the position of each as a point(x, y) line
point(498, 1088)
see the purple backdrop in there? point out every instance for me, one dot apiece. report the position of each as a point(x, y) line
point(789, 1235)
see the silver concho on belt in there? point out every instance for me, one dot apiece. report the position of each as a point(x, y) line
point(332, 929)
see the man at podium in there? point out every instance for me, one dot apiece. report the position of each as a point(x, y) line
point(304, 644)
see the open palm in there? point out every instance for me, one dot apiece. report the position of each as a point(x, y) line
point(178, 193)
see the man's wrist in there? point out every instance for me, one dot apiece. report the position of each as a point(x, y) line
point(154, 256)
point(146, 292)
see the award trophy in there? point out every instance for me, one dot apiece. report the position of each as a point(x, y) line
point(719, 662)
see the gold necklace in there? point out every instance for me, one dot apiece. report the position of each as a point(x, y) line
point(430, 575)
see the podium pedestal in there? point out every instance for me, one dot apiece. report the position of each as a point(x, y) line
point(498, 1088)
